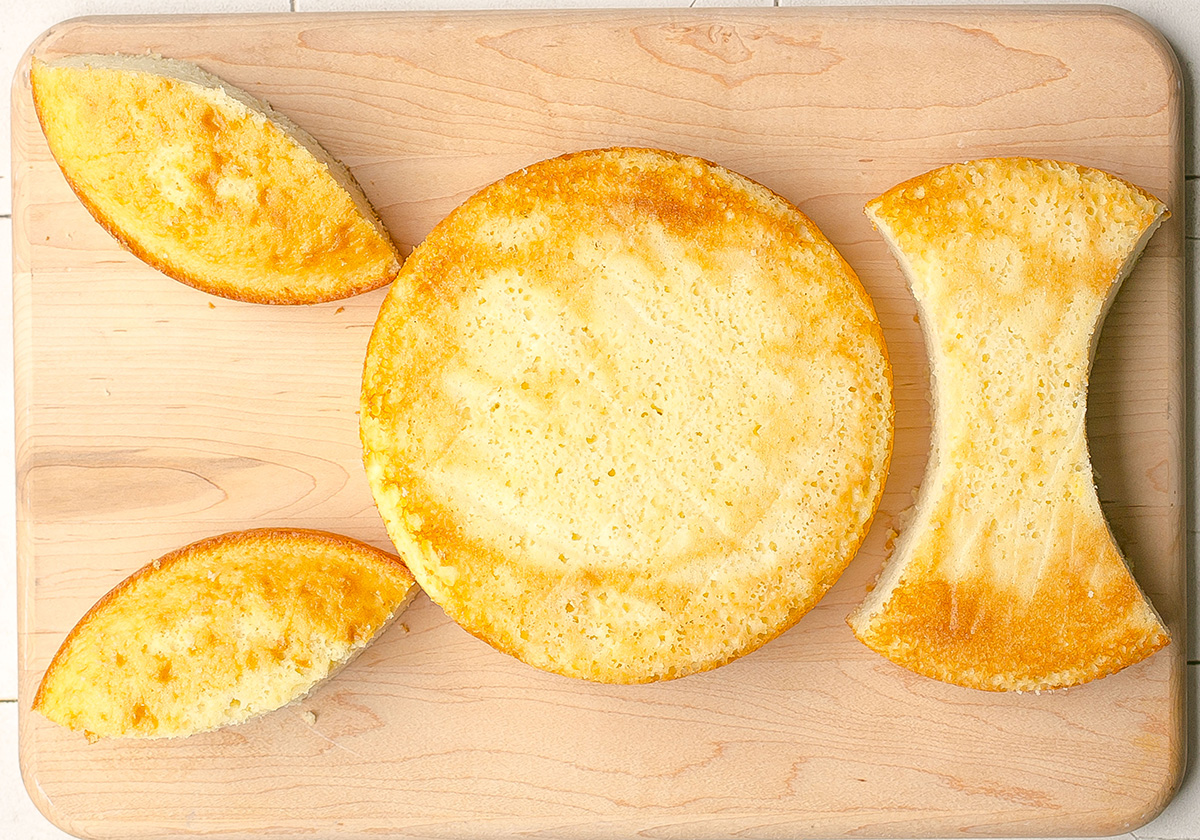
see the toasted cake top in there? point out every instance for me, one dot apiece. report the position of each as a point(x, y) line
point(1007, 576)
point(207, 184)
point(626, 414)
point(220, 631)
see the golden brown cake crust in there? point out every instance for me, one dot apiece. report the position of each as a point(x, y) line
point(219, 631)
point(206, 184)
point(627, 415)
point(1007, 577)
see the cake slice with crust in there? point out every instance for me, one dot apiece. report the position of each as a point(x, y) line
point(206, 183)
point(1007, 576)
point(220, 631)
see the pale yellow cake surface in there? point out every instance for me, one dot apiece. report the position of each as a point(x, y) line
point(221, 631)
point(627, 415)
point(1007, 576)
point(208, 185)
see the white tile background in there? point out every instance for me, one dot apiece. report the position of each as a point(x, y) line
point(21, 21)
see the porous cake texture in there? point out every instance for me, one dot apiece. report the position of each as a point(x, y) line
point(626, 414)
point(221, 631)
point(1006, 576)
point(207, 184)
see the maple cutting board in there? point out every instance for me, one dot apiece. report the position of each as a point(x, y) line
point(150, 415)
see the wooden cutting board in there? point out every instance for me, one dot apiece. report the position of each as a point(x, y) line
point(150, 415)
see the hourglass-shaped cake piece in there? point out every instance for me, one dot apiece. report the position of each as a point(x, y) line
point(1007, 576)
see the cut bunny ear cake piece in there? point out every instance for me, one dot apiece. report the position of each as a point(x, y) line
point(207, 184)
point(1007, 576)
point(221, 631)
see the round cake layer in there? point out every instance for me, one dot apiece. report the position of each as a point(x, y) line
point(626, 414)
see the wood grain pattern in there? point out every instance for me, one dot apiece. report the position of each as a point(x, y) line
point(149, 415)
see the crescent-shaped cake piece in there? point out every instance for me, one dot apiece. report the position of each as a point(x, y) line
point(626, 414)
point(1006, 576)
point(221, 631)
point(206, 183)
